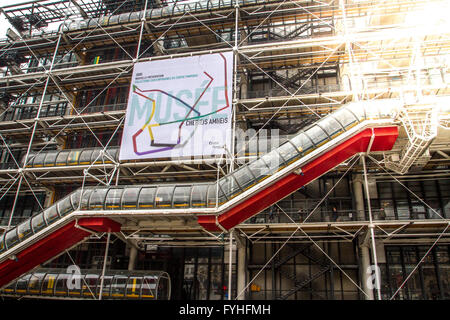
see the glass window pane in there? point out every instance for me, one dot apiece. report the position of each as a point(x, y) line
point(64, 206)
point(75, 199)
point(95, 157)
point(130, 198)
point(148, 287)
point(39, 160)
point(147, 197)
point(107, 282)
point(212, 195)
point(51, 214)
point(22, 284)
point(346, 118)
point(50, 158)
point(288, 152)
point(38, 222)
point(34, 284)
point(113, 199)
point(61, 285)
point(182, 196)
point(199, 196)
point(359, 109)
point(24, 229)
point(317, 135)
point(85, 156)
point(85, 199)
point(259, 169)
point(118, 286)
point(272, 160)
point(72, 158)
point(164, 197)
point(229, 186)
point(134, 287)
point(11, 238)
point(331, 126)
point(49, 284)
point(244, 177)
point(97, 199)
point(2, 243)
point(61, 159)
point(89, 285)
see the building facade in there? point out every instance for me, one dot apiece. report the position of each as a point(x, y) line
point(374, 226)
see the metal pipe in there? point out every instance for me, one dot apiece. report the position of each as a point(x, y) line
point(104, 267)
point(372, 232)
point(230, 261)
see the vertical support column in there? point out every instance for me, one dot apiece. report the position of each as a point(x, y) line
point(363, 249)
point(133, 258)
point(241, 247)
point(371, 229)
point(104, 267)
point(230, 264)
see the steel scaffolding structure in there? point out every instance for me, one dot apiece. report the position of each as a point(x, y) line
point(295, 62)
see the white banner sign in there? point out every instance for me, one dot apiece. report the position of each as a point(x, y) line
point(179, 107)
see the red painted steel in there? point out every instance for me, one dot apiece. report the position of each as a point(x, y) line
point(52, 245)
point(384, 139)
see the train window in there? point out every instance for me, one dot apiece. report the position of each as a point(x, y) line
point(331, 126)
point(85, 156)
point(163, 197)
point(118, 286)
point(64, 206)
point(134, 287)
point(72, 158)
point(51, 158)
point(24, 229)
point(51, 214)
point(147, 197)
point(11, 238)
point(212, 195)
point(97, 199)
point(48, 285)
point(244, 177)
point(345, 117)
point(113, 199)
point(199, 195)
point(34, 284)
point(288, 152)
point(61, 159)
point(61, 288)
point(130, 197)
point(38, 222)
point(317, 135)
point(258, 168)
point(182, 196)
point(39, 160)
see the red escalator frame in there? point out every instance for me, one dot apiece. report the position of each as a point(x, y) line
point(53, 244)
point(384, 139)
